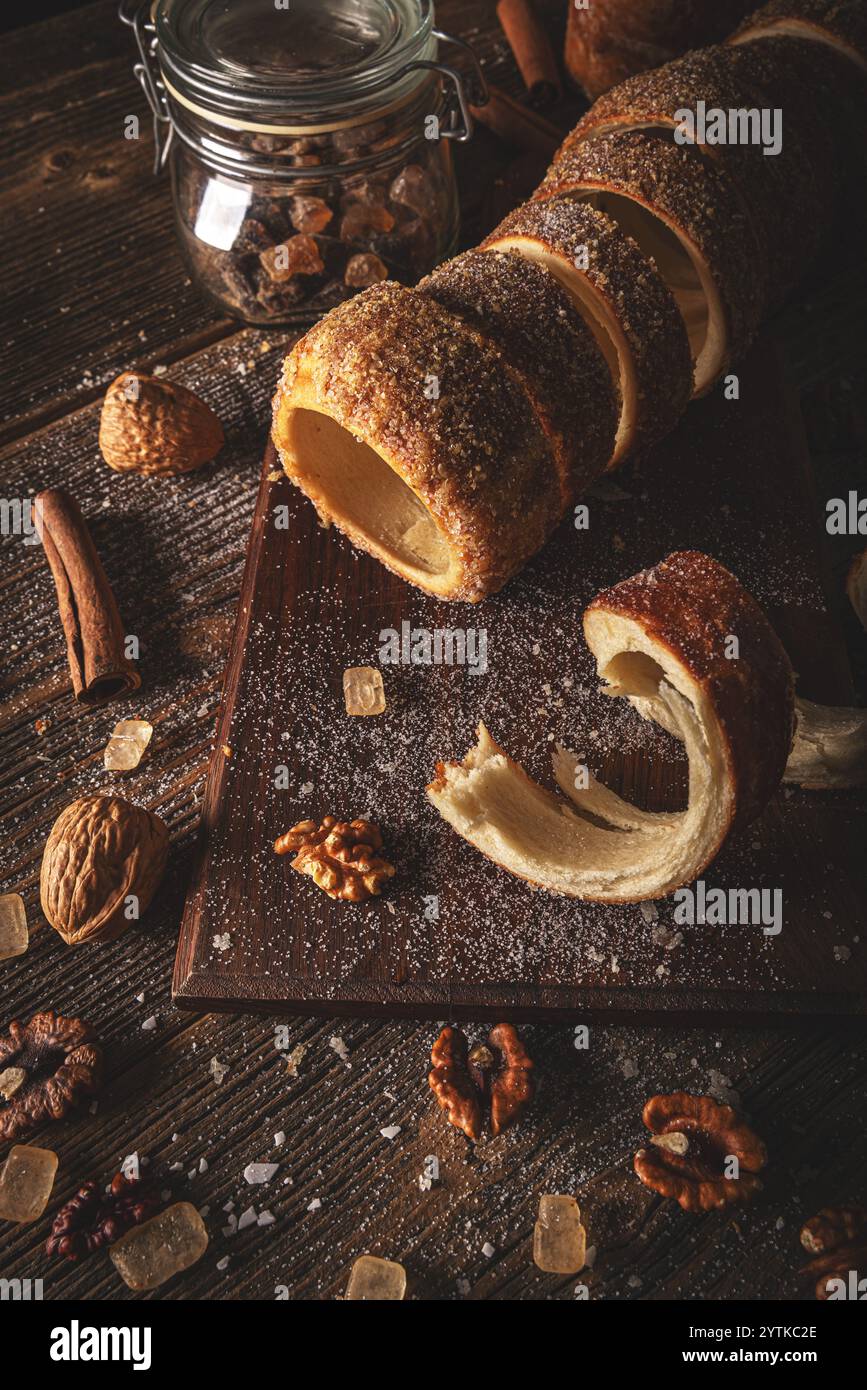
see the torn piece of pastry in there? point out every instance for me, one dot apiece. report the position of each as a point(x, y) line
point(830, 748)
point(686, 214)
point(662, 640)
point(625, 301)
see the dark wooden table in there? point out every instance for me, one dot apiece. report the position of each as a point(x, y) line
point(92, 284)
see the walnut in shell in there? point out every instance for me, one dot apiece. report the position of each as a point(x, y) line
point(153, 426)
point(102, 851)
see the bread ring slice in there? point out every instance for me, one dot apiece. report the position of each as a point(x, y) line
point(777, 191)
point(660, 640)
point(413, 434)
point(831, 128)
point(530, 318)
point(685, 213)
point(842, 24)
point(625, 301)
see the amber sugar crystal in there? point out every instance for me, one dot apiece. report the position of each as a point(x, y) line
point(363, 690)
point(125, 749)
point(14, 937)
point(376, 1281)
point(26, 1182)
point(149, 1255)
point(559, 1239)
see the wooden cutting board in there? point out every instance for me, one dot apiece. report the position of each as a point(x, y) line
point(453, 936)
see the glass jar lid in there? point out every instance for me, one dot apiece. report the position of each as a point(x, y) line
point(294, 63)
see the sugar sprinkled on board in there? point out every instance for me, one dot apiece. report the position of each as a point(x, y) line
point(260, 1172)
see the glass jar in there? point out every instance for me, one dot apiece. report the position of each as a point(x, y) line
point(309, 144)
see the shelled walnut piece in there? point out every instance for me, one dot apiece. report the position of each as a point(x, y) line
point(62, 1066)
point(340, 856)
point(153, 426)
point(692, 1138)
point(466, 1083)
point(451, 1083)
point(837, 1238)
point(102, 863)
point(659, 639)
point(93, 1218)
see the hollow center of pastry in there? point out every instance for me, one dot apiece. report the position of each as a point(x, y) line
point(600, 320)
point(352, 484)
point(683, 271)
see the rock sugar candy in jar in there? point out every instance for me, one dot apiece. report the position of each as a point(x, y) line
point(308, 143)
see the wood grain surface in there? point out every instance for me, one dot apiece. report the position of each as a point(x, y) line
point(93, 285)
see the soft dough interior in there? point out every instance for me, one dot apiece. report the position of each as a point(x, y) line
point(596, 845)
point(349, 481)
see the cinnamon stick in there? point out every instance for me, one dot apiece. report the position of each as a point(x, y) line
point(517, 125)
point(532, 49)
point(95, 636)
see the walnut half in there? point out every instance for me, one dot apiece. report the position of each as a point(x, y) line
point(340, 856)
point(61, 1065)
point(837, 1237)
point(692, 1138)
point(500, 1074)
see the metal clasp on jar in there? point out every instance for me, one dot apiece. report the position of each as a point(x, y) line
point(148, 75)
point(464, 131)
